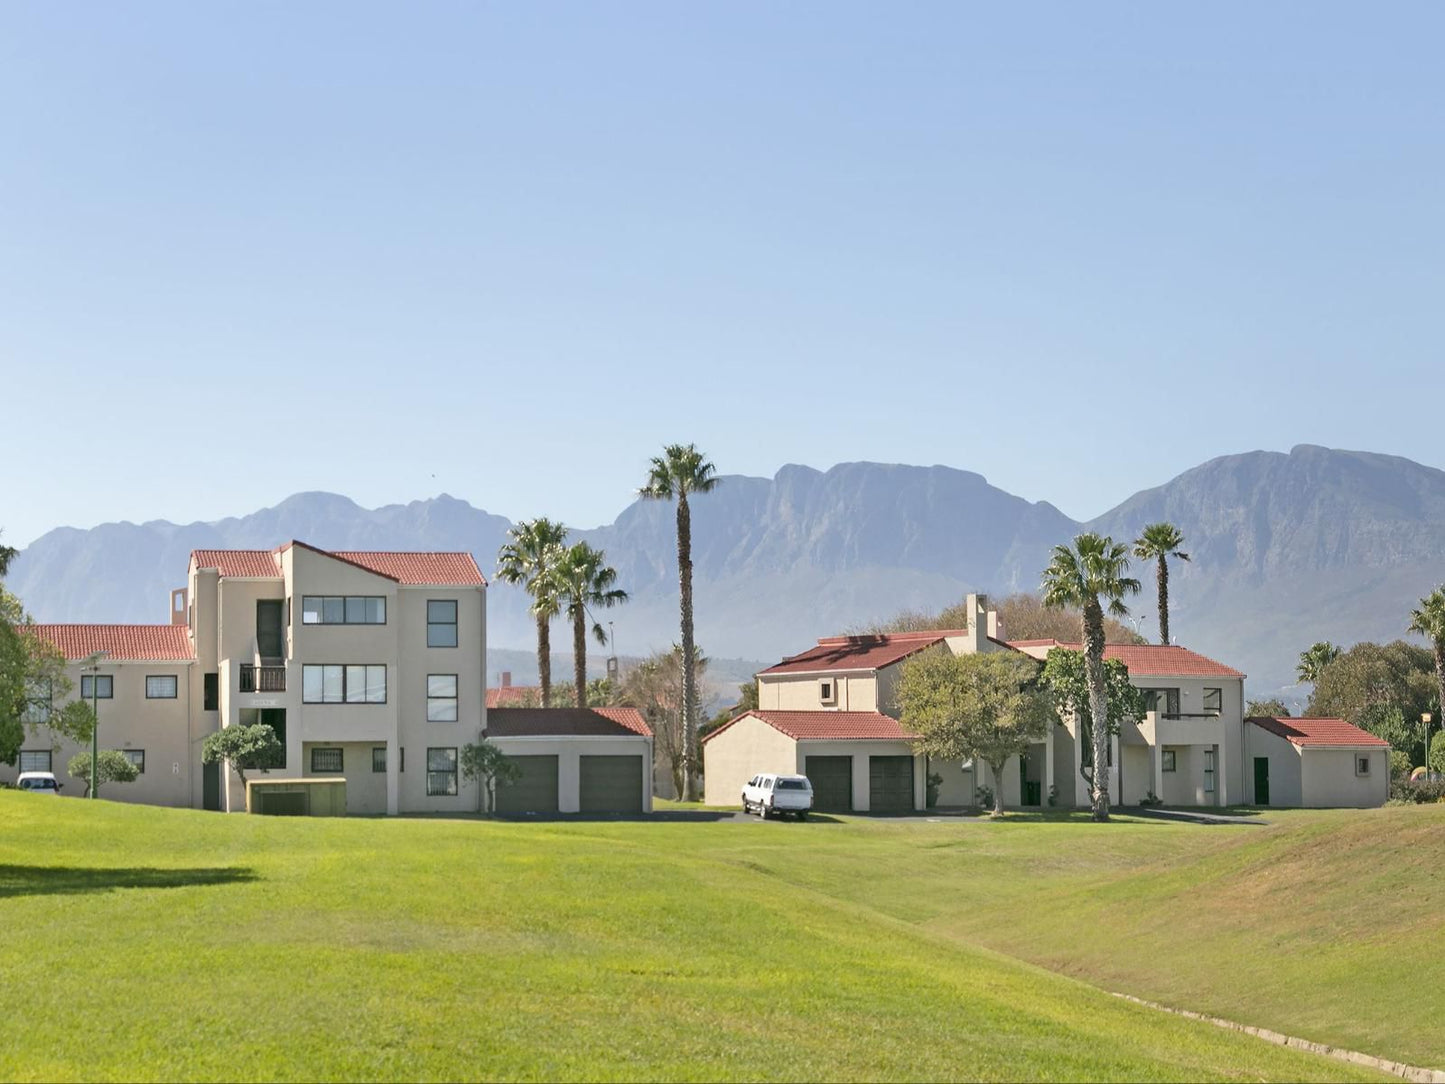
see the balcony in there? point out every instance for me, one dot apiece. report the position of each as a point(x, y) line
point(262, 679)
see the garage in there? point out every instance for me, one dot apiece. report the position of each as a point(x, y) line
point(535, 791)
point(890, 784)
point(832, 779)
point(610, 784)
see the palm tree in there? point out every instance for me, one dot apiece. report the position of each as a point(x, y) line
point(1429, 620)
point(1312, 662)
point(1078, 577)
point(527, 561)
point(583, 580)
point(7, 554)
point(680, 470)
point(1161, 541)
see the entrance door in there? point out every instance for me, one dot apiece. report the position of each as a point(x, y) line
point(270, 628)
point(890, 784)
point(1261, 780)
point(211, 786)
point(832, 779)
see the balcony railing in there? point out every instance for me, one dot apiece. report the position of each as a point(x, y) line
point(262, 679)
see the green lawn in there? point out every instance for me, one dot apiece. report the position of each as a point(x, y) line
point(145, 943)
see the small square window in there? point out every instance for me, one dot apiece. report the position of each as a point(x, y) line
point(1362, 765)
point(97, 686)
point(1213, 701)
point(136, 757)
point(160, 686)
point(35, 760)
point(1166, 758)
point(827, 691)
point(327, 760)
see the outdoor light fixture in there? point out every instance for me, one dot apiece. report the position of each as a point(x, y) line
point(92, 663)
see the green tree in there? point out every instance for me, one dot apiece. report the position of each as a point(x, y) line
point(1399, 764)
point(247, 748)
point(1159, 542)
point(32, 682)
point(676, 474)
point(1382, 688)
point(1437, 752)
point(985, 707)
point(1090, 576)
point(7, 554)
point(527, 561)
point(655, 687)
point(1066, 679)
point(584, 581)
point(1314, 659)
point(1273, 708)
point(1021, 616)
point(490, 768)
point(111, 766)
point(1428, 619)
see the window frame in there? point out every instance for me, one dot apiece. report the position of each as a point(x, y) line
point(827, 690)
point(1209, 766)
point(454, 699)
point(345, 601)
point(136, 757)
point(1168, 761)
point(108, 684)
point(175, 686)
point(433, 772)
point(38, 707)
point(454, 624)
point(344, 690)
point(48, 754)
point(340, 769)
point(1362, 761)
point(1218, 694)
point(375, 749)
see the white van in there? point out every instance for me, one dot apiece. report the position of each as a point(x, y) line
point(38, 782)
point(769, 793)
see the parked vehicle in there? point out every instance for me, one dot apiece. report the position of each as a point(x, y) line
point(38, 782)
point(767, 794)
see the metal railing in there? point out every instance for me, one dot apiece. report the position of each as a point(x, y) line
point(262, 679)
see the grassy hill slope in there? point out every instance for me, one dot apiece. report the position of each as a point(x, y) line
point(153, 943)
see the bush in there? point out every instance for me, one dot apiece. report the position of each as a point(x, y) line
point(935, 781)
point(1424, 792)
point(985, 797)
point(1399, 764)
point(1150, 800)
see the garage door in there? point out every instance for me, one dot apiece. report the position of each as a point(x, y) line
point(535, 791)
point(832, 779)
point(611, 784)
point(890, 784)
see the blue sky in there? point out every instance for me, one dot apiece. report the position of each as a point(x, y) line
point(507, 251)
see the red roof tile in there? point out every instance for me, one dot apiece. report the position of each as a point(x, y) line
point(1315, 733)
point(408, 568)
point(565, 722)
point(858, 652)
point(141, 643)
point(631, 718)
point(514, 696)
point(826, 725)
point(1150, 660)
point(239, 562)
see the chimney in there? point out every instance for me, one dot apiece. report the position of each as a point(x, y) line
point(180, 606)
point(977, 621)
point(993, 631)
point(506, 679)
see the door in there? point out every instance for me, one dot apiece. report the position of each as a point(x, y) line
point(611, 784)
point(270, 629)
point(1261, 780)
point(211, 786)
point(535, 790)
point(832, 779)
point(890, 784)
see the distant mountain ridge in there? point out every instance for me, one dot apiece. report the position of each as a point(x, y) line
point(1287, 548)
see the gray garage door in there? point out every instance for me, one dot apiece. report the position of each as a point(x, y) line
point(535, 791)
point(890, 784)
point(832, 779)
point(611, 784)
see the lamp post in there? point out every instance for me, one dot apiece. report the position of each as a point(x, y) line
point(1425, 720)
point(92, 663)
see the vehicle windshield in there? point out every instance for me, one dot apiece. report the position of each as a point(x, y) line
point(38, 784)
point(792, 784)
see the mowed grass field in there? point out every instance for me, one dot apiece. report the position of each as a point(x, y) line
point(146, 943)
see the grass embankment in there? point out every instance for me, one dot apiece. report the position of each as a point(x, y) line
point(151, 943)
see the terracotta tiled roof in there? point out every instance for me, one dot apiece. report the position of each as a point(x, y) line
point(514, 696)
point(826, 725)
point(1314, 733)
point(412, 569)
point(859, 652)
point(140, 643)
point(239, 562)
point(565, 722)
point(1149, 660)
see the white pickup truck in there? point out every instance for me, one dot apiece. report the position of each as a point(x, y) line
point(768, 793)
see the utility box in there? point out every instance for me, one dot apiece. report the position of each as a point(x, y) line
point(296, 797)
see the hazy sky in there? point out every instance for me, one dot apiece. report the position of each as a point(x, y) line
point(507, 251)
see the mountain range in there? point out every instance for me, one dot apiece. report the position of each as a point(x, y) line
point(1286, 549)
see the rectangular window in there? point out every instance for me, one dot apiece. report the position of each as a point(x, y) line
point(97, 686)
point(37, 702)
point(441, 772)
point(441, 623)
point(35, 760)
point(366, 684)
point(1163, 701)
point(326, 760)
point(441, 698)
point(136, 757)
point(211, 692)
point(160, 686)
point(1166, 758)
point(1213, 700)
point(1362, 765)
point(827, 691)
point(378, 758)
point(1209, 771)
point(343, 609)
point(334, 683)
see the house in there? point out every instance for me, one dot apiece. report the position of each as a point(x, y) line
point(1314, 763)
point(506, 695)
point(574, 760)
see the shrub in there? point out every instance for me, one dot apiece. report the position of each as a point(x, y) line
point(1399, 763)
point(935, 781)
point(1150, 800)
point(1422, 793)
point(985, 797)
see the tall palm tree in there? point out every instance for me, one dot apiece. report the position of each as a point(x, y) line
point(584, 580)
point(679, 471)
point(1429, 620)
point(7, 554)
point(1313, 661)
point(527, 561)
point(1160, 541)
point(1085, 577)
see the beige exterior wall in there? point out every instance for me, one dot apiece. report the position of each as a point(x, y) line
point(365, 789)
point(569, 752)
point(956, 790)
point(860, 751)
point(1286, 768)
point(856, 691)
point(1331, 779)
point(744, 749)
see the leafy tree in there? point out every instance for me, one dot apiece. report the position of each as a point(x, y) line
point(584, 580)
point(682, 470)
point(1313, 660)
point(1066, 678)
point(1382, 688)
point(1274, 708)
point(747, 697)
point(601, 692)
point(491, 768)
point(986, 707)
point(32, 681)
point(111, 766)
point(1437, 753)
point(1159, 542)
point(1021, 616)
point(1428, 619)
point(7, 554)
point(247, 748)
point(655, 687)
point(527, 561)
point(1087, 576)
point(1399, 764)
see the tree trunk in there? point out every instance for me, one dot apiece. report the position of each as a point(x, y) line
point(1163, 577)
point(579, 655)
point(689, 691)
point(544, 659)
point(997, 770)
point(1098, 706)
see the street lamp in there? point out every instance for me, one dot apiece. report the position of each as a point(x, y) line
point(92, 663)
point(1425, 719)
